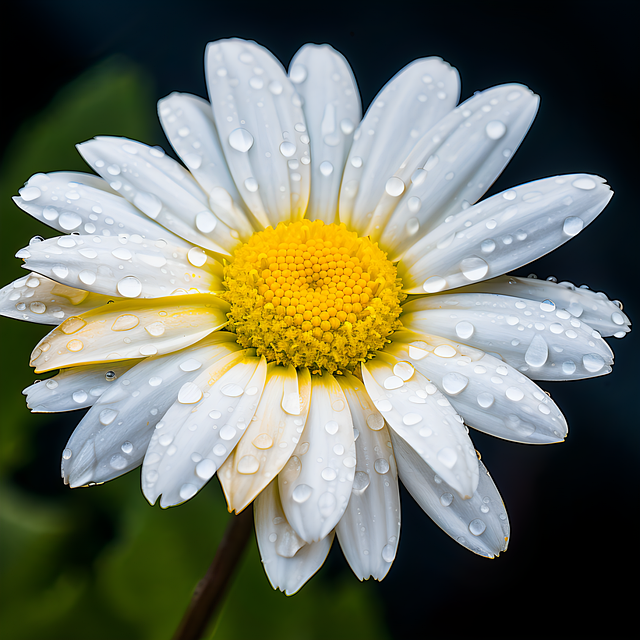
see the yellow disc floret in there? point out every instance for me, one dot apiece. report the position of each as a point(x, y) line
point(312, 295)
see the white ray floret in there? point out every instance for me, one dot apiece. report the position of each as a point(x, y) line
point(288, 561)
point(315, 484)
point(369, 530)
point(36, 298)
point(416, 410)
point(412, 102)
point(534, 337)
point(480, 524)
point(256, 110)
point(188, 122)
point(86, 204)
point(489, 394)
point(106, 265)
point(595, 309)
point(331, 105)
point(74, 388)
point(270, 437)
point(503, 232)
point(161, 188)
point(113, 437)
point(129, 329)
point(202, 427)
point(454, 164)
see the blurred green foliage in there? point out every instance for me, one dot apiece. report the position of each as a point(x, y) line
point(100, 563)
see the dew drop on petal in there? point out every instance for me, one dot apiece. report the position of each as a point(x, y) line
point(331, 427)
point(444, 351)
point(592, 362)
point(301, 493)
point(454, 383)
point(240, 140)
point(248, 465)
point(360, 482)
point(464, 330)
point(477, 527)
point(127, 447)
point(188, 490)
point(79, 396)
point(381, 466)
point(75, 345)
point(118, 462)
point(434, 284)
point(586, 184)
point(375, 421)
point(329, 474)
point(326, 168)
point(394, 187)
point(446, 499)
point(287, 149)
point(262, 441)
point(189, 393)
point(196, 256)
point(474, 268)
point(514, 393)
point(66, 454)
point(206, 468)
point(107, 416)
point(388, 553)
point(572, 225)
point(485, 400)
point(298, 73)
point(537, 352)
point(129, 287)
point(495, 129)
point(232, 390)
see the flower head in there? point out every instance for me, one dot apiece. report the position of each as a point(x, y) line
point(315, 307)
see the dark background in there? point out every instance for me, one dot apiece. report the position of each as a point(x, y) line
point(569, 570)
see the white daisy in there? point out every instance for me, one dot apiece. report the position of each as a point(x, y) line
point(315, 307)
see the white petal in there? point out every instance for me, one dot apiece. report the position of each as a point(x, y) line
point(332, 112)
point(418, 412)
point(256, 110)
point(201, 428)
point(75, 388)
point(83, 203)
point(129, 329)
point(455, 164)
point(503, 232)
point(412, 102)
point(490, 395)
point(188, 122)
point(127, 413)
point(37, 299)
point(315, 484)
point(370, 527)
point(595, 309)
point(100, 265)
point(480, 524)
point(288, 561)
point(539, 340)
point(271, 436)
point(160, 188)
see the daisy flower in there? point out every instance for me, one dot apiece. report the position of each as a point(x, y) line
point(315, 307)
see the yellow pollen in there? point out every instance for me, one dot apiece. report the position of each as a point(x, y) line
point(312, 295)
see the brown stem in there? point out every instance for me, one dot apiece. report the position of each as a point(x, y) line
point(210, 591)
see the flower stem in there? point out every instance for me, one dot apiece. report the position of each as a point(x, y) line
point(210, 591)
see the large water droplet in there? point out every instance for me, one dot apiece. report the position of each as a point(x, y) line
point(196, 256)
point(125, 322)
point(66, 454)
point(301, 493)
point(248, 465)
point(586, 184)
point(446, 499)
point(107, 416)
point(189, 393)
point(360, 482)
point(232, 390)
point(298, 73)
point(477, 527)
point(375, 421)
point(538, 352)
point(454, 383)
point(329, 474)
point(388, 553)
point(572, 225)
point(287, 149)
point(464, 330)
point(514, 393)
point(240, 140)
point(485, 400)
point(188, 490)
point(118, 462)
point(262, 441)
point(206, 468)
point(129, 287)
point(331, 427)
point(127, 447)
point(394, 187)
point(474, 268)
point(495, 129)
point(326, 168)
point(80, 396)
point(434, 284)
point(593, 362)
point(381, 465)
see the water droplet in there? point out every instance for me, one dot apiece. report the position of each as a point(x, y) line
point(125, 322)
point(240, 140)
point(474, 268)
point(356, 162)
point(444, 351)
point(118, 462)
point(107, 416)
point(79, 396)
point(75, 345)
point(232, 390)
point(326, 168)
point(381, 465)
point(495, 129)
point(298, 73)
point(110, 376)
point(262, 441)
point(206, 468)
point(190, 365)
point(515, 394)
point(586, 184)
point(87, 277)
point(360, 482)
point(593, 362)
point(388, 553)
point(51, 384)
point(547, 306)
point(129, 287)
point(454, 383)
point(37, 307)
point(127, 447)
point(393, 382)
point(219, 450)
point(538, 352)
point(155, 381)
point(275, 87)
point(256, 82)
point(572, 225)
point(394, 187)
point(196, 256)
point(214, 415)
point(251, 185)
point(477, 527)
point(248, 465)
point(205, 222)
point(411, 418)
point(464, 330)
point(485, 400)
point(350, 461)
point(155, 329)
point(446, 499)
point(228, 432)
point(189, 393)
point(487, 246)
point(448, 457)
point(301, 493)
point(329, 474)
point(66, 454)
point(188, 490)
point(331, 427)
point(434, 284)
point(287, 149)
point(69, 220)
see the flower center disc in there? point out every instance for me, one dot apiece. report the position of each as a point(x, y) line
point(312, 295)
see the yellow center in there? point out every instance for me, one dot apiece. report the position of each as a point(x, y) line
point(312, 295)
